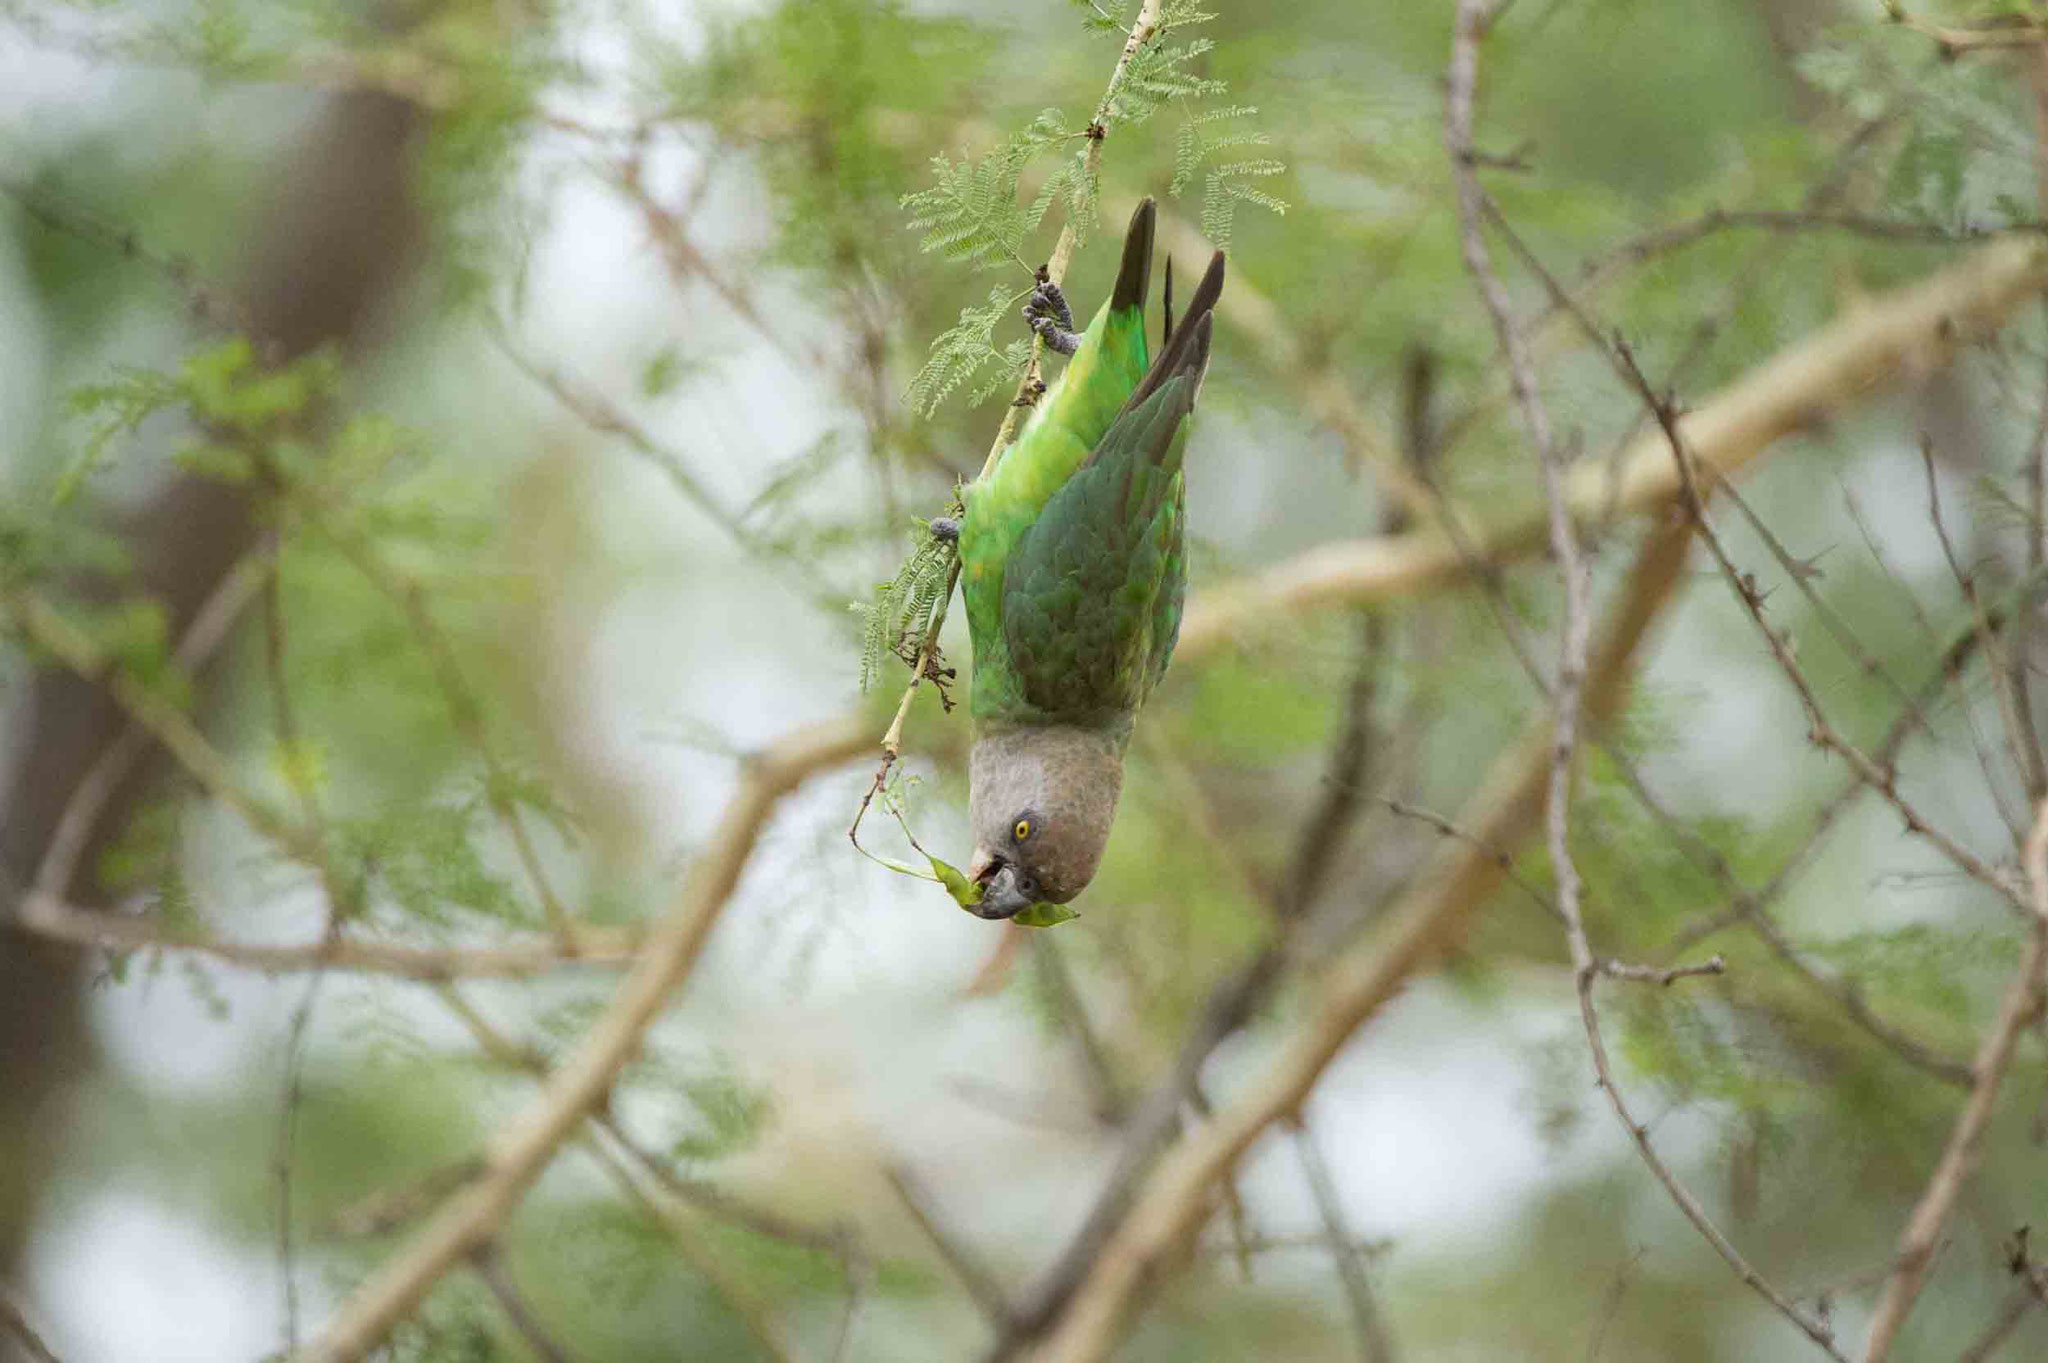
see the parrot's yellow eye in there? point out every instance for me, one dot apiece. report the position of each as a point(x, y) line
point(1022, 830)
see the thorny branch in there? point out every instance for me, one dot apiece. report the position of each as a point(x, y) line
point(1750, 906)
point(1468, 28)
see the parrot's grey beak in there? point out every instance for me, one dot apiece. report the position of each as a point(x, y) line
point(1001, 898)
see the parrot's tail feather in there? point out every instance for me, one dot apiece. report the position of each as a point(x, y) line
point(1178, 355)
point(1134, 277)
point(1166, 336)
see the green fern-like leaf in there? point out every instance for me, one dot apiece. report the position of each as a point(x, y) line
point(1009, 370)
point(116, 408)
point(1157, 75)
point(960, 352)
point(971, 213)
point(903, 604)
point(1226, 188)
point(1180, 13)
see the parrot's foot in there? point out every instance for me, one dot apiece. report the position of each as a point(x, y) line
point(1047, 312)
point(946, 529)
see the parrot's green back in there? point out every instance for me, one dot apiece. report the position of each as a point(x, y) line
point(1072, 548)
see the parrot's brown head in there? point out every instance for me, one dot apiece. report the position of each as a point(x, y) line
point(1040, 804)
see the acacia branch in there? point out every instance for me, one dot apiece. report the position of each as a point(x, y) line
point(1906, 334)
point(522, 1150)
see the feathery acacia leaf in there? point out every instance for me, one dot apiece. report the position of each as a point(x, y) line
point(894, 621)
point(961, 351)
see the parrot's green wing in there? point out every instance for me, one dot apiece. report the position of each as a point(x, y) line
point(1091, 596)
point(1068, 423)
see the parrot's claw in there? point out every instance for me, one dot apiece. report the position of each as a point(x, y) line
point(945, 528)
point(1049, 316)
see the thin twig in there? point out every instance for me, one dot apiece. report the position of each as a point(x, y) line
point(1716, 221)
point(2009, 31)
point(1820, 731)
point(490, 1266)
point(212, 309)
point(1106, 1095)
point(1750, 905)
point(693, 1193)
point(287, 1134)
point(16, 1324)
point(1317, 377)
point(649, 1184)
point(2017, 1304)
point(389, 1208)
point(464, 708)
point(211, 625)
point(981, 1284)
point(77, 650)
point(289, 742)
point(1375, 1345)
point(1611, 1307)
point(45, 915)
point(2011, 700)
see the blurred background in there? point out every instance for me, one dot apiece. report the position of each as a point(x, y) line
point(472, 420)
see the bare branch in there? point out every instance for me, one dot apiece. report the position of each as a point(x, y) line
point(165, 722)
point(2001, 1327)
point(1375, 1345)
point(972, 1274)
point(12, 1322)
point(490, 1266)
point(45, 915)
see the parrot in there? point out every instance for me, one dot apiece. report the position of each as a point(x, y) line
point(1073, 574)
